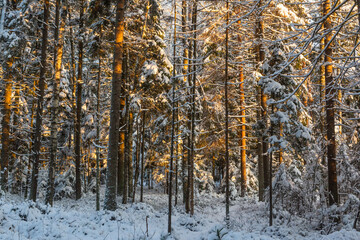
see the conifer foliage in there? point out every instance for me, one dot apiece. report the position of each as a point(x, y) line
point(247, 99)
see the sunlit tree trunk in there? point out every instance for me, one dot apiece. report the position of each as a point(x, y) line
point(5, 137)
point(72, 78)
point(58, 53)
point(122, 132)
point(111, 173)
point(243, 134)
point(40, 104)
point(184, 16)
point(330, 111)
point(193, 109)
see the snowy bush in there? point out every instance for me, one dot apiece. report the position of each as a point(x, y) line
point(64, 184)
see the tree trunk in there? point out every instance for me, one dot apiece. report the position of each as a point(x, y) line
point(186, 79)
point(98, 116)
point(130, 152)
point(137, 157)
point(172, 123)
point(122, 133)
point(243, 134)
point(58, 53)
point(142, 158)
point(40, 102)
point(72, 79)
point(5, 137)
point(78, 107)
point(227, 162)
point(110, 194)
point(262, 145)
point(193, 110)
point(330, 111)
point(126, 153)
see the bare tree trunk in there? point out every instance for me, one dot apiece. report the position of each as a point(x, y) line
point(193, 110)
point(243, 134)
point(137, 157)
point(172, 122)
point(98, 116)
point(227, 161)
point(78, 108)
point(111, 173)
point(330, 111)
point(130, 151)
point(126, 154)
point(177, 154)
point(122, 133)
point(5, 137)
point(72, 79)
point(58, 53)
point(184, 15)
point(40, 106)
point(142, 158)
point(262, 146)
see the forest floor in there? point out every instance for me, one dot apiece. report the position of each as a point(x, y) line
point(70, 219)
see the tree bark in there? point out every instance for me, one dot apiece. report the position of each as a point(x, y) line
point(243, 134)
point(130, 152)
point(330, 111)
point(262, 145)
point(193, 109)
point(122, 132)
point(5, 137)
point(111, 173)
point(227, 160)
point(142, 158)
point(58, 53)
point(40, 104)
point(172, 123)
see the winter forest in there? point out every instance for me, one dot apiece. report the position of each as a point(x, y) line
point(180, 119)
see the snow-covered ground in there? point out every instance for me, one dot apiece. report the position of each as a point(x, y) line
point(70, 219)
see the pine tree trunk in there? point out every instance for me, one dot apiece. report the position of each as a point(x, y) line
point(77, 129)
point(322, 96)
point(5, 137)
point(330, 111)
point(227, 160)
point(142, 158)
point(193, 109)
point(170, 175)
point(262, 145)
point(122, 133)
point(58, 53)
point(130, 152)
point(40, 101)
point(184, 16)
point(72, 80)
point(243, 134)
point(126, 153)
point(111, 173)
point(98, 116)
point(177, 145)
point(137, 158)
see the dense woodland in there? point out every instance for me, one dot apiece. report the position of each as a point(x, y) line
point(247, 99)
